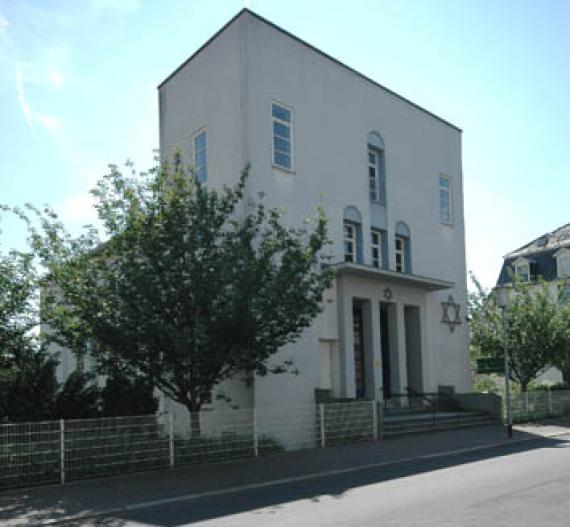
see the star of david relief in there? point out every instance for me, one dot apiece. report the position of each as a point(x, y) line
point(451, 311)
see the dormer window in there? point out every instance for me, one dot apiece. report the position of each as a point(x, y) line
point(522, 270)
point(563, 263)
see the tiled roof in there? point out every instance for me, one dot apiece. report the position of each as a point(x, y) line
point(540, 253)
point(552, 240)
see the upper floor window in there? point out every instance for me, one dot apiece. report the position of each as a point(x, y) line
point(445, 200)
point(402, 248)
point(349, 242)
point(400, 253)
point(563, 263)
point(522, 270)
point(563, 293)
point(200, 166)
point(352, 234)
point(376, 168)
point(376, 243)
point(282, 118)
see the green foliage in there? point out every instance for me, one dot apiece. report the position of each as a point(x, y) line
point(28, 386)
point(78, 398)
point(191, 286)
point(535, 328)
point(124, 395)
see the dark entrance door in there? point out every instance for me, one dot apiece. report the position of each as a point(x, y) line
point(357, 321)
point(385, 343)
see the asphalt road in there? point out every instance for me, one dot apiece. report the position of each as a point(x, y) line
point(516, 485)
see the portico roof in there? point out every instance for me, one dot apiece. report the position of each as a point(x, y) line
point(413, 280)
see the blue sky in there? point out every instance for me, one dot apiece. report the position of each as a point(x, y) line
point(78, 91)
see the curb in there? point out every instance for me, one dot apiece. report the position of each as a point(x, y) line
point(293, 479)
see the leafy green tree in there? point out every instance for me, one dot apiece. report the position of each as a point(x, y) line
point(534, 328)
point(127, 395)
point(192, 284)
point(78, 398)
point(561, 354)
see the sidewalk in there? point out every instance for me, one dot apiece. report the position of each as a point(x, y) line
point(45, 505)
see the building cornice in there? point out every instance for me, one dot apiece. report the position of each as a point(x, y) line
point(375, 273)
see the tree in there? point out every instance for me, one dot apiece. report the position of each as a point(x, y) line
point(192, 284)
point(78, 398)
point(125, 395)
point(534, 328)
point(561, 354)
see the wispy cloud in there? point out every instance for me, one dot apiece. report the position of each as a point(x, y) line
point(24, 106)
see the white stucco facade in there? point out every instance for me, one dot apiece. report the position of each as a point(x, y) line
point(228, 88)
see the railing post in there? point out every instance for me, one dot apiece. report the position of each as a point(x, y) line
point(255, 438)
point(171, 439)
point(550, 411)
point(380, 417)
point(375, 419)
point(62, 451)
point(322, 420)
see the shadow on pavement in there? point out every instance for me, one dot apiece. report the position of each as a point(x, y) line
point(34, 507)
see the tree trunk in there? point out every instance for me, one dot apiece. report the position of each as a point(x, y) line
point(566, 376)
point(524, 386)
point(195, 424)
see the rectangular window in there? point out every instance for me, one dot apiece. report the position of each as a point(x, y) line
point(400, 253)
point(349, 242)
point(200, 167)
point(563, 293)
point(373, 174)
point(563, 266)
point(282, 118)
point(444, 200)
point(522, 272)
point(376, 243)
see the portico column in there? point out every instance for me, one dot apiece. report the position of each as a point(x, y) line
point(346, 340)
point(376, 350)
point(402, 358)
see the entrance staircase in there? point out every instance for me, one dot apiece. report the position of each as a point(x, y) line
point(415, 412)
point(399, 422)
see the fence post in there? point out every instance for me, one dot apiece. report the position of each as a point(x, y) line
point(374, 419)
point(171, 438)
point(62, 451)
point(255, 438)
point(322, 419)
point(550, 412)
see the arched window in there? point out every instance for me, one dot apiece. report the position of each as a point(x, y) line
point(376, 168)
point(352, 234)
point(403, 248)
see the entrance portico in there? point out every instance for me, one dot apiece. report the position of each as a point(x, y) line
point(384, 348)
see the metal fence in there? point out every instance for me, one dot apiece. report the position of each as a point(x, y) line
point(59, 451)
point(531, 406)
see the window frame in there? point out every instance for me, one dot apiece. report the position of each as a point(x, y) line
point(195, 136)
point(352, 227)
point(563, 265)
point(521, 264)
point(440, 188)
point(290, 125)
point(373, 151)
point(379, 259)
point(400, 252)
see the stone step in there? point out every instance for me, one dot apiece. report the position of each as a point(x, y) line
point(392, 429)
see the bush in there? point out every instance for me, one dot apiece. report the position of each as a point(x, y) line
point(123, 395)
point(78, 398)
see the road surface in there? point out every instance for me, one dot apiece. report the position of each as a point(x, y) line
point(524, 484)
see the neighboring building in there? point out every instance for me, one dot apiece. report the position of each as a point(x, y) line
point(388, 174)
point(546, 258)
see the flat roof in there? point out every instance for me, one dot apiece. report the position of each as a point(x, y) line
point(367, 271)
point(310, 46)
